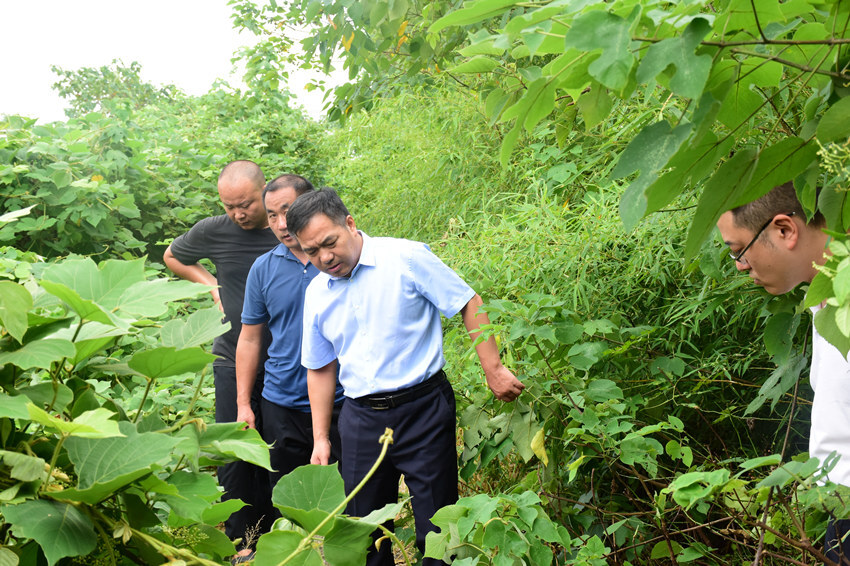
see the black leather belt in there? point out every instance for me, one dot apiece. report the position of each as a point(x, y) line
point(392, 399)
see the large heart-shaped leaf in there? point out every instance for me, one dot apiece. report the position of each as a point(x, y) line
point(59, 528)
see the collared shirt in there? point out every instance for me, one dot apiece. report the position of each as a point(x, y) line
point(830, 432)
point(274, 295)
point(383, 322)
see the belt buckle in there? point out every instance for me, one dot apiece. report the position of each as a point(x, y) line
point(380, 403)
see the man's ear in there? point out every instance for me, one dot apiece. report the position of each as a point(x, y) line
point(788, 230)
point(349, 222)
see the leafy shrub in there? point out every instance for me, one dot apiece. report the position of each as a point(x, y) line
point(102, 453)
point(121, 182)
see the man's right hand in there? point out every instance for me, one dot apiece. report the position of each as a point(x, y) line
point(244, 414)
point(321, 452)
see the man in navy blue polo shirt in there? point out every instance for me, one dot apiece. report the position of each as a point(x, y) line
point(374, 313)
point(274, 298)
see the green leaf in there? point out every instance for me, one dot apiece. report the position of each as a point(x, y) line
point(780, 382)
point(348, 542)
point(523, 427)
point(482, 45)
point(275, 546)
point(536, 103)
point(753, 463)
point(478, 64)
point(648, 153)
point(103, 285)
point(14, 407)
point(61, 178)
point(91, 338)
point(508, 144)
point(474, 12)
point(691, 69)
point(39, 353)
point(779, 334)
point(195, 493)
point(308, 494)
point(494, 104)
point(778, 163)
point(790, 471)
point(23, 466)
point(720, 193)
point(85, 309)
point(91, 424)
point(599, 29)
point(842, 319)
point(739, 14)
point(601, 390)
point(8, 558)
point(219, 512)
point(151, 298)
point(208, 539)
point(164, 362)
point(15, 303)
point(57, 396)
point(57, 527)
point(841, 286)
point(105, 465)
point(820, 289)
point(195, 330)
point(834, 125)
point(218, 443)
point(595, 105)
point(690, 165)
point(743, 101)
point(661, 550)
point(834, 203)
point(693, 487)
point(384, 514)
point(827, 326)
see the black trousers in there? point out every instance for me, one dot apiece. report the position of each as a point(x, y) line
point(290, 432)
point(423, 450)
point(838, 541)
point(242, 480)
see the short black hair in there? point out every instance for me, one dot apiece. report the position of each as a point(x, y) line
point(298, 183)
point(780, 200)
point(324, 201)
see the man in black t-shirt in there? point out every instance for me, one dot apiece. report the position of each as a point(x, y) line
point(232, 242)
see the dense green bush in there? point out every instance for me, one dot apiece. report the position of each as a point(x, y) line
point(640, 365)
point(121, 181)
point(104, 451)
point(662, 420)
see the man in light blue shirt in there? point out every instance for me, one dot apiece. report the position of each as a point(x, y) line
point(374, 313)
point(274, 298)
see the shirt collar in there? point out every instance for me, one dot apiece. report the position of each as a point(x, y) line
point(281, 250)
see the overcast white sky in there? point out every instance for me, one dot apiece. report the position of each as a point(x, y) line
point(188, 43)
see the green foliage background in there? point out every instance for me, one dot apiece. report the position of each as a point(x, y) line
point(557, 155)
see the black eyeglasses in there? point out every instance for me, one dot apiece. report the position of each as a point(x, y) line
point(740, 257)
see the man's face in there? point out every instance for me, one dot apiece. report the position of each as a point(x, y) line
point(243, 203)
point(332, 248)
point(277, 204)
point(767, 263)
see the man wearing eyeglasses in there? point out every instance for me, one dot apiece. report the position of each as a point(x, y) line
point(770, 240)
